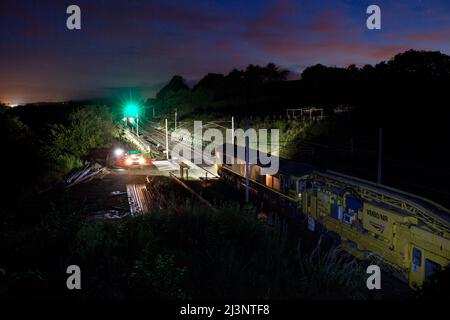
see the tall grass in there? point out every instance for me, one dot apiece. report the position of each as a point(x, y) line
point(183, 251)
point(330, 274)
point(209, 255)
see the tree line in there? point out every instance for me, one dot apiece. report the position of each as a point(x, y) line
point(409, 79)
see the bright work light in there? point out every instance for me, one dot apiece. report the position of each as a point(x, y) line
point(118, 152)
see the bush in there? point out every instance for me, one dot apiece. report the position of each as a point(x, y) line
point(89, 128)
point(21, 161)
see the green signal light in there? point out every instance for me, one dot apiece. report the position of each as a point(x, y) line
point(131, 109)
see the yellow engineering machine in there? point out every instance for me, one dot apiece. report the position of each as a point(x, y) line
point(407, 232)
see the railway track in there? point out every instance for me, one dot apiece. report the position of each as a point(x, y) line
point(157, 137)
point(138, 199)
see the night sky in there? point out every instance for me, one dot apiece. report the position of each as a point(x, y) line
point(141, 44)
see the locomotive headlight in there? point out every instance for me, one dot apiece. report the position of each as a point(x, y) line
point(118, 152)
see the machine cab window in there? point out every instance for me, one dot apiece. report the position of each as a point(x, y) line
point(430, 268)
point(417, 257)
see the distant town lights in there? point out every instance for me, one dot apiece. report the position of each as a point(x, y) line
point(11, 104)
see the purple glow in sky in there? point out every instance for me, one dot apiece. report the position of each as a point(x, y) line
point(141, 44)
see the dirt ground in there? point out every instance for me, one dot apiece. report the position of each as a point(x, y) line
point(96, 195)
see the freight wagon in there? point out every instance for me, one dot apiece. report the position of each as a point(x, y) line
point(407, 233)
